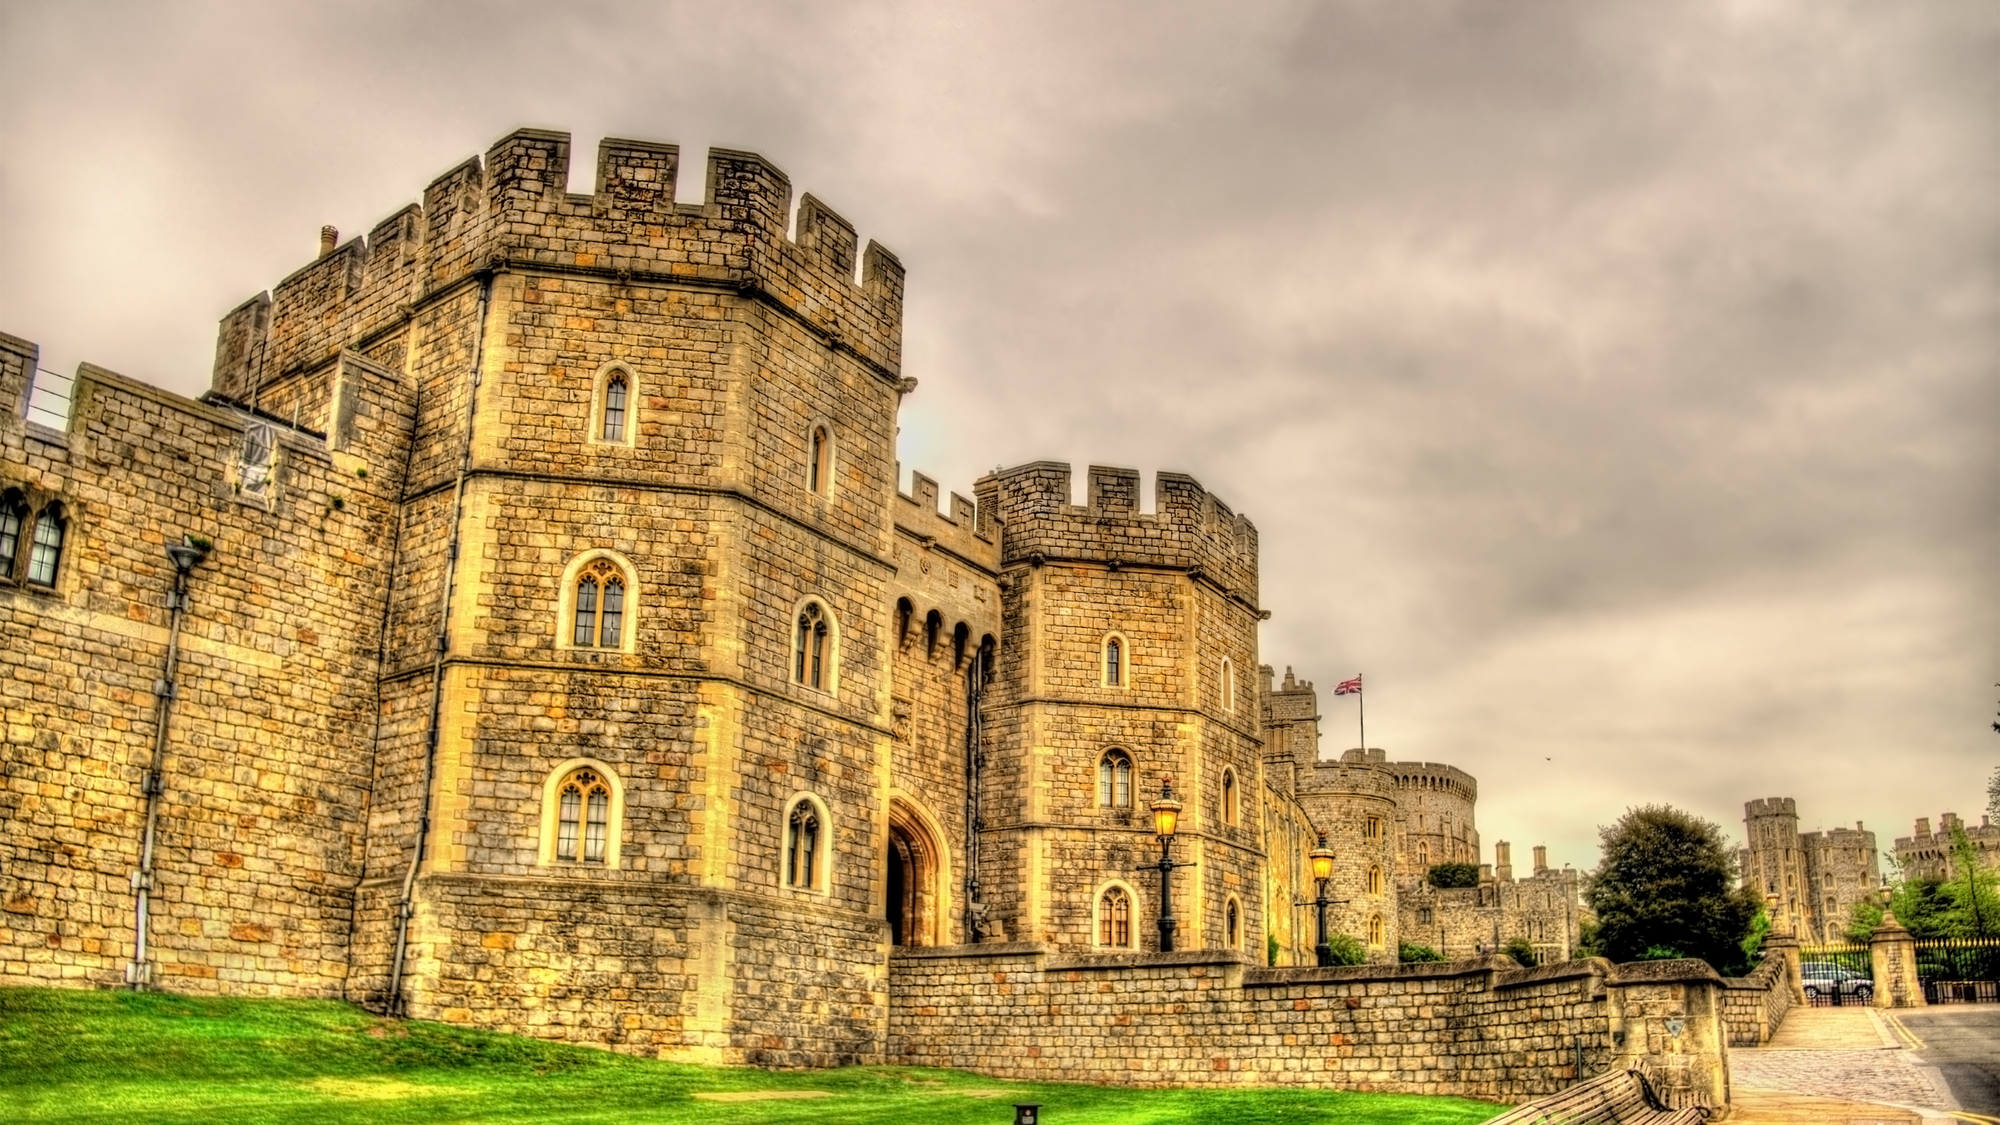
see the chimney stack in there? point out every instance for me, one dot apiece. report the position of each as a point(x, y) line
point(1503, 862)
point(1541, 858)
point(329, 237)
point(1923, 827)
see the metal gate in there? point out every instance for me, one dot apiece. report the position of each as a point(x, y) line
point(1836, 975)
point(1959, 970)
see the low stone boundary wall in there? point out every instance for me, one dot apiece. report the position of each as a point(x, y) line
point(1482, 1028)
point(1753, 1006)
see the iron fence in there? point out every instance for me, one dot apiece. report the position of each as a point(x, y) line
point(1836, 975)
point(1959, 970)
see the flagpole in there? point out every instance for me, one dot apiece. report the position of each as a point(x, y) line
point(1361, 698)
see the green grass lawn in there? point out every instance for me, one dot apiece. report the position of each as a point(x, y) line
point(115, 1056)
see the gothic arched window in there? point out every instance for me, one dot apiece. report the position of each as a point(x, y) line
point(1114, 780)
point(13, 517)
point(1229, 814)
point(1115, 660)
point(599, 619)
point(811, 640)
point(611, 423)
point(583, 817)
point(45, 553)
point(1114, 918)
point(819, 461)
point(805, 845)
point(1375, 930)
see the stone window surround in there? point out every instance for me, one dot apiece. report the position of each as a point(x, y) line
point(820, 879)
point(14, 570)
point(1230, 797)
point(1098, 899)
point(1107, 788)
point(1232, 916)
point(1226, 684)
point(600, 383)
point(1124, 681)
point(614, 829)
point(831, 665)
point(822, 458)
point(628, 629)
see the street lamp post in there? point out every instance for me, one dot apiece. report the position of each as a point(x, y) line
point(1322, 869)
point(1166, 817)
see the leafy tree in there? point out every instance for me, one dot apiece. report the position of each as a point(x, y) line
point(1753, 942)
point(1453, 875)
point(1925, 907)
point(1271, 948)
point(1519, 949)
point(1666, 886)
point(1410, 953)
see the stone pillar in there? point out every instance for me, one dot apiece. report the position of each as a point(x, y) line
point(1892, 956)
point(1667, 1020)
point(1785, 946)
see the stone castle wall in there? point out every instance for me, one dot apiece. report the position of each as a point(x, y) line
point(1474, 1029)
point(265, 786)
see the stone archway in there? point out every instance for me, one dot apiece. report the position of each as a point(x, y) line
point(914, 902)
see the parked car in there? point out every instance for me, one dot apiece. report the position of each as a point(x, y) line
point(1824, 978)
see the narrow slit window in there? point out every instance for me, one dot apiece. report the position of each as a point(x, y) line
point(613, 428)
point(1232, 926)
point(46, 552)
point(802, 846)
point(819, 462)
point(1229, 796)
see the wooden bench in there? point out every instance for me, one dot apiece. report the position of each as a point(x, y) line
point(1619, 1097)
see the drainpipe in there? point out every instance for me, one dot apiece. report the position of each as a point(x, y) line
point(394, 1002)
point(975, 757)
point(184, 555)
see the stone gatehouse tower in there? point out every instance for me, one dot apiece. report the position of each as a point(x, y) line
point(555, 651)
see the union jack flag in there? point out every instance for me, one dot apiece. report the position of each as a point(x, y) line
point(1348, 687)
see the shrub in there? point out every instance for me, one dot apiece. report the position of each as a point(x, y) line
point(1522, 952)
point(1444, 875)
point(1410, 953)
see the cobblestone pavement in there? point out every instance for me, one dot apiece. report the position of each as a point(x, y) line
point(1877, 1075)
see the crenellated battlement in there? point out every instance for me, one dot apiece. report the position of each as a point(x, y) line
point(1435, 775)
point(512, 210)
point(1191, 530)
point(1349, 776)
point(957, 530)
point(1771, 806)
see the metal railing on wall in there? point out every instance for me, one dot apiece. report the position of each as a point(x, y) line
point(49, 399)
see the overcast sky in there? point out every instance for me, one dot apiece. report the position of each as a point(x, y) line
point(1613, 383)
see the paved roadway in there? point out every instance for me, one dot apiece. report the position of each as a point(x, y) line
point(1963, 1042)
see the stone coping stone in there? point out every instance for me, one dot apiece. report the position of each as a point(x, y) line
point(1089, 961)
point(983, 949)
point(1664, 972)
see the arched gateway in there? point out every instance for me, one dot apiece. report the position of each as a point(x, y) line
point(915, 900)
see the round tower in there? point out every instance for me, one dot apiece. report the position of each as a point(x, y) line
point(1353, 800)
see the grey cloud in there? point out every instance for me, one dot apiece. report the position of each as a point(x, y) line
point(1612, 382)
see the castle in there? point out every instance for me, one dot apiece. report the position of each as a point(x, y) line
point(1928, 855)
point(1817, 877)
point(527, 630)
